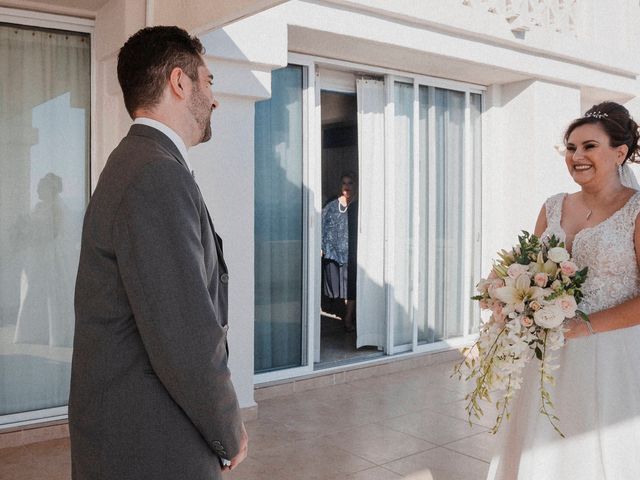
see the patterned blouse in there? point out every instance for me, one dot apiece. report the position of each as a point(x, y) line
point(335, 232)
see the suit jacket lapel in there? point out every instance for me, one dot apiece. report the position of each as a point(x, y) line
point(218, 242)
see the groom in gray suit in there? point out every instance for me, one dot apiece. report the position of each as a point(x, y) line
point(151, 393)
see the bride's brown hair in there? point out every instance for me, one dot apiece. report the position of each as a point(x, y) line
point(616, 121)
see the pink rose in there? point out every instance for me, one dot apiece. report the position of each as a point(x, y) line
point(492, 275)
point(484, 305)
point(568, 268)
point(541, 279)
point(516, 269)
point(526, 321)
point(498, 314)
point(568, 305)
point(496, 283)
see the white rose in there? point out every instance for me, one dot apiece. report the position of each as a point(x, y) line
point(549, 316)
point(558, 254)
point(568, 305)
point(483, 285)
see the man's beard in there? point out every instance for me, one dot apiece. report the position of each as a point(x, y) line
point(206, 134)
point(201, 110)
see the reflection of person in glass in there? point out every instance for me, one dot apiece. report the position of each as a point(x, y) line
point(46, 305)
point(339, 241)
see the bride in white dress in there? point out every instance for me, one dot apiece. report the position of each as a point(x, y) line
point(597, 392)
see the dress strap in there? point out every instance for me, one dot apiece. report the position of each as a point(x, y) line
point(553, 209)
point(632, 208)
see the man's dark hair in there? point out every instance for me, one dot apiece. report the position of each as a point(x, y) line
point(147, 58)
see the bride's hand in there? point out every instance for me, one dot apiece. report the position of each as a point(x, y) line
point(575, 328)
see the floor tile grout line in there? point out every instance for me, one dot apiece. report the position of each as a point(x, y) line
point(458, 418)
point(465, 454)
point(433, 443)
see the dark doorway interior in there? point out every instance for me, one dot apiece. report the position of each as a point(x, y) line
point(339, 156)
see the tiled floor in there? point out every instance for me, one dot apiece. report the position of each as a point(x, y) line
point(338, 346)
point(405, 425)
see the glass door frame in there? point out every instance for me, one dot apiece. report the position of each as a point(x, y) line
point(27, 18)
point(472, 182)
point(312, 182)
point(310, 238)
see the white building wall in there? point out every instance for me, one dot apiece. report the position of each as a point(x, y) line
point(241, 57)
point(521, 168)
point(224, 171)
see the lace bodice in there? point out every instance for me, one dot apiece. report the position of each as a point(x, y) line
point(607, 249)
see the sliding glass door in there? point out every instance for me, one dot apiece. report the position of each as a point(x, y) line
point(278, 221)
point(449, 211)
point(419, 216)
point(45, 98)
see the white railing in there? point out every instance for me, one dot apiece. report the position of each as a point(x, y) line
point(523, 15)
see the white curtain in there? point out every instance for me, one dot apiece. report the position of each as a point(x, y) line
point(371, 309)
point(44, 131)
point(402, 217)
point(450, 227)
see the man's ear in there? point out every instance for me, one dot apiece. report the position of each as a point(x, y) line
point(177, 82)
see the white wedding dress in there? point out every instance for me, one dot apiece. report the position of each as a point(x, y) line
point(597, 392)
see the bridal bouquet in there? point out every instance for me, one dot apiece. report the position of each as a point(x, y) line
point(530, 291)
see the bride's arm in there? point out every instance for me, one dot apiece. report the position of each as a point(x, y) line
point(541, 222)
point(625, 315)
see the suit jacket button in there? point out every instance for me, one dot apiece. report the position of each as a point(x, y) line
point(224, 278)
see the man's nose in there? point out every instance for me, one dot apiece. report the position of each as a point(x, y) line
point(214, 104)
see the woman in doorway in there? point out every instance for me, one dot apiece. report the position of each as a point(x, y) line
point(339, 241)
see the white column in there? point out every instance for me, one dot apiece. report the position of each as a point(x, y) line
point(224, 168)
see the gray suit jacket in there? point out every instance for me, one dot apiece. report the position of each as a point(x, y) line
point(151, 395)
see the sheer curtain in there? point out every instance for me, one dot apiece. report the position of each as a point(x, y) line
point(450, 205)
point(402, 213)
point(278, 224)
point(44, 136)
point(371, 310)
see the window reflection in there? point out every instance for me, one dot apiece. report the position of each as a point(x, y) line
point(44, 129)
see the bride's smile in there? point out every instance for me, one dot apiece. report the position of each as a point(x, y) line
point(591, 160)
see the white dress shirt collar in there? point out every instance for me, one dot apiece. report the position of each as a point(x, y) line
point(169, 132)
